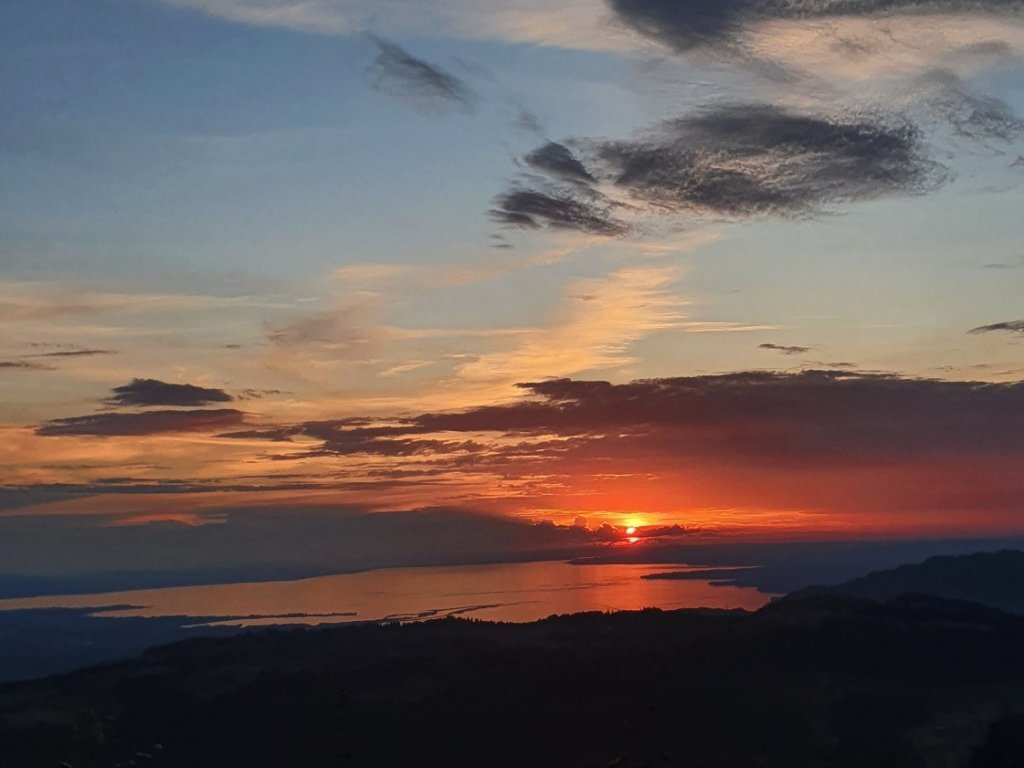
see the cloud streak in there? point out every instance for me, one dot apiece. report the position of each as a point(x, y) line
point(76, 353)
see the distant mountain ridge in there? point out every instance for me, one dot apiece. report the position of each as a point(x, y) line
point(994, 579)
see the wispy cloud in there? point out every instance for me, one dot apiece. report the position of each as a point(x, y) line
point(624, 307)
point(1010, 326)
point(421, 85)
point(46, 300)
point(401, 368)
point(575, 24)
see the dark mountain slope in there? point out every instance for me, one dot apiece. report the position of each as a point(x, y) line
point(990, 578)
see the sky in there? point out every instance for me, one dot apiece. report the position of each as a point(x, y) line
point(441, 278)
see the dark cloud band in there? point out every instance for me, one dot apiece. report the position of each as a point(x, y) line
point(816, 414)
point(147, 423)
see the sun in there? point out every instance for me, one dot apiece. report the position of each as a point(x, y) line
point(631, 530)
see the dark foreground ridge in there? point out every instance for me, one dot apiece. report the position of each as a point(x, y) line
point(820, 681)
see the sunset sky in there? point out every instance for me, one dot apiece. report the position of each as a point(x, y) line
point(424, 275)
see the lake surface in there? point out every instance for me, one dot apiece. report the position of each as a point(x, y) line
point(497, 592)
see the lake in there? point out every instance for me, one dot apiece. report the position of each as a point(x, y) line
point(499, 592)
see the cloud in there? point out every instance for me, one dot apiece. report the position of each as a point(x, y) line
point(528, 121)
point(747, 160)
point(346, 328)
point(775, 36)
point(75, 353)
point(683, 26)
point(812, 413)
point(788, 421)
point(421, 85)
point(828, 449)
point(148, 392)
point(1010, 326)
point(148, 423)
point(397, 370)
point(784, 349)
point(23, 365)
point(34, 363)
point(49, 300)
point(259, 394)
point(337, 439)
point(626, 306)
point(574, 24)
point(78, 353)
point(733, 161)
point(559, 209)
point(557, 159)
point(971, 115)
